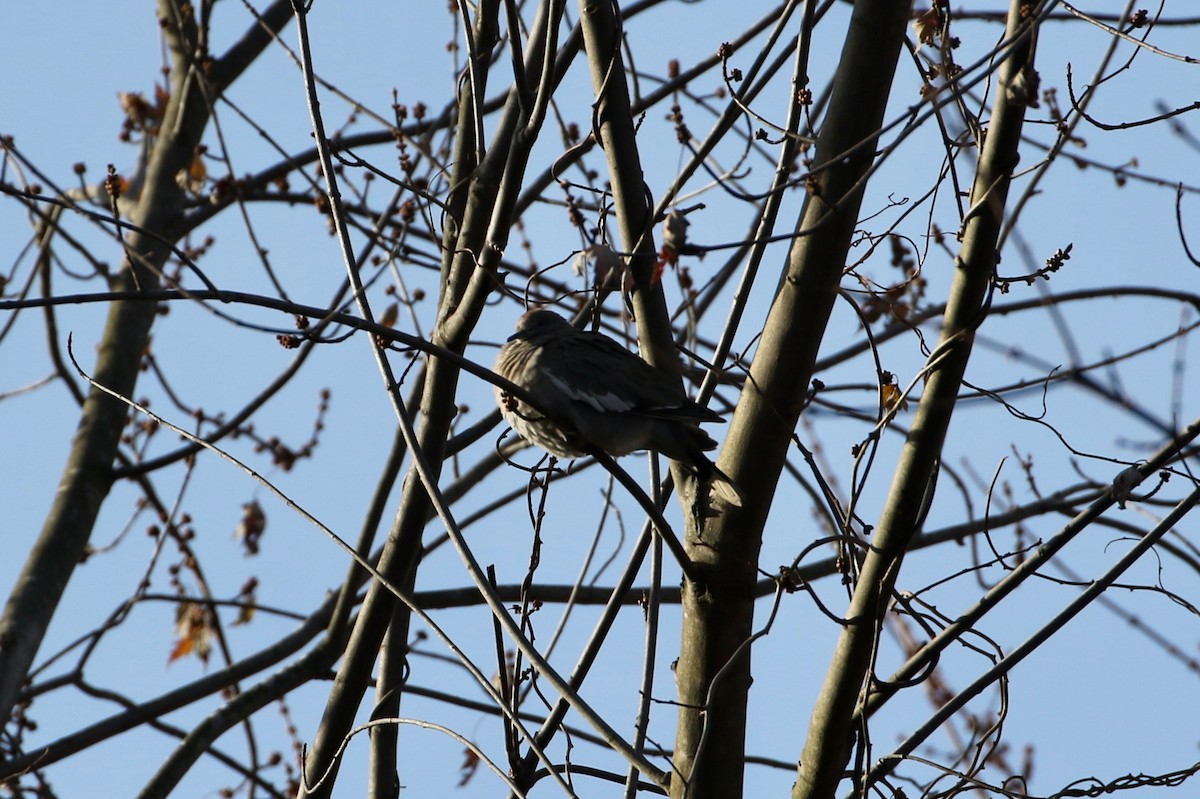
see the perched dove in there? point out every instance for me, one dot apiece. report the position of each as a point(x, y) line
point(593, 393)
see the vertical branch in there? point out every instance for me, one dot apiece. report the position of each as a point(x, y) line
point(612, 120)
point(718, 617)
point(468, 143)
point(87, 476)
point(156, 220)
point(383, 774)
point(481, 207)
point(931, 651)
point(827, 748)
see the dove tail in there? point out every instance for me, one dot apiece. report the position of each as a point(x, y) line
point(724, 487)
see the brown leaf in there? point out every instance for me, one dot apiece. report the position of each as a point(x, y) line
point(927, 25)
point(193, 178)
point(390, 315)
point(467, 770)
point(251, 526)
point(893, 397)
point(193, 632)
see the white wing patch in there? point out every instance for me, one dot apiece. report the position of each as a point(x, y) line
point(605, 402)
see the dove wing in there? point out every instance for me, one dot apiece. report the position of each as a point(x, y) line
point(598, 372)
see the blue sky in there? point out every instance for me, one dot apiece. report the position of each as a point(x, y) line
point(60, 74)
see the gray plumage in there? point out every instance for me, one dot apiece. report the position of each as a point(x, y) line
point(594, 393)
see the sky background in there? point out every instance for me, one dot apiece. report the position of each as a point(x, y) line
point(1098, 699)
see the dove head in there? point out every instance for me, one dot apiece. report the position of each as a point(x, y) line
point(540, 325)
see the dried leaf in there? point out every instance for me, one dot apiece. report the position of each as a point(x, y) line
point(675, 230)
point(193, 178)
point(927, 24)
point(390, 315)
point(608, 268)
point(467, 770)
point(1124, 483)
point(251, 526)
point(193, 632)
point(892, 397)
point(249, 602)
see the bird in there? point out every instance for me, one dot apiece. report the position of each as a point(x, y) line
point(593, 394)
